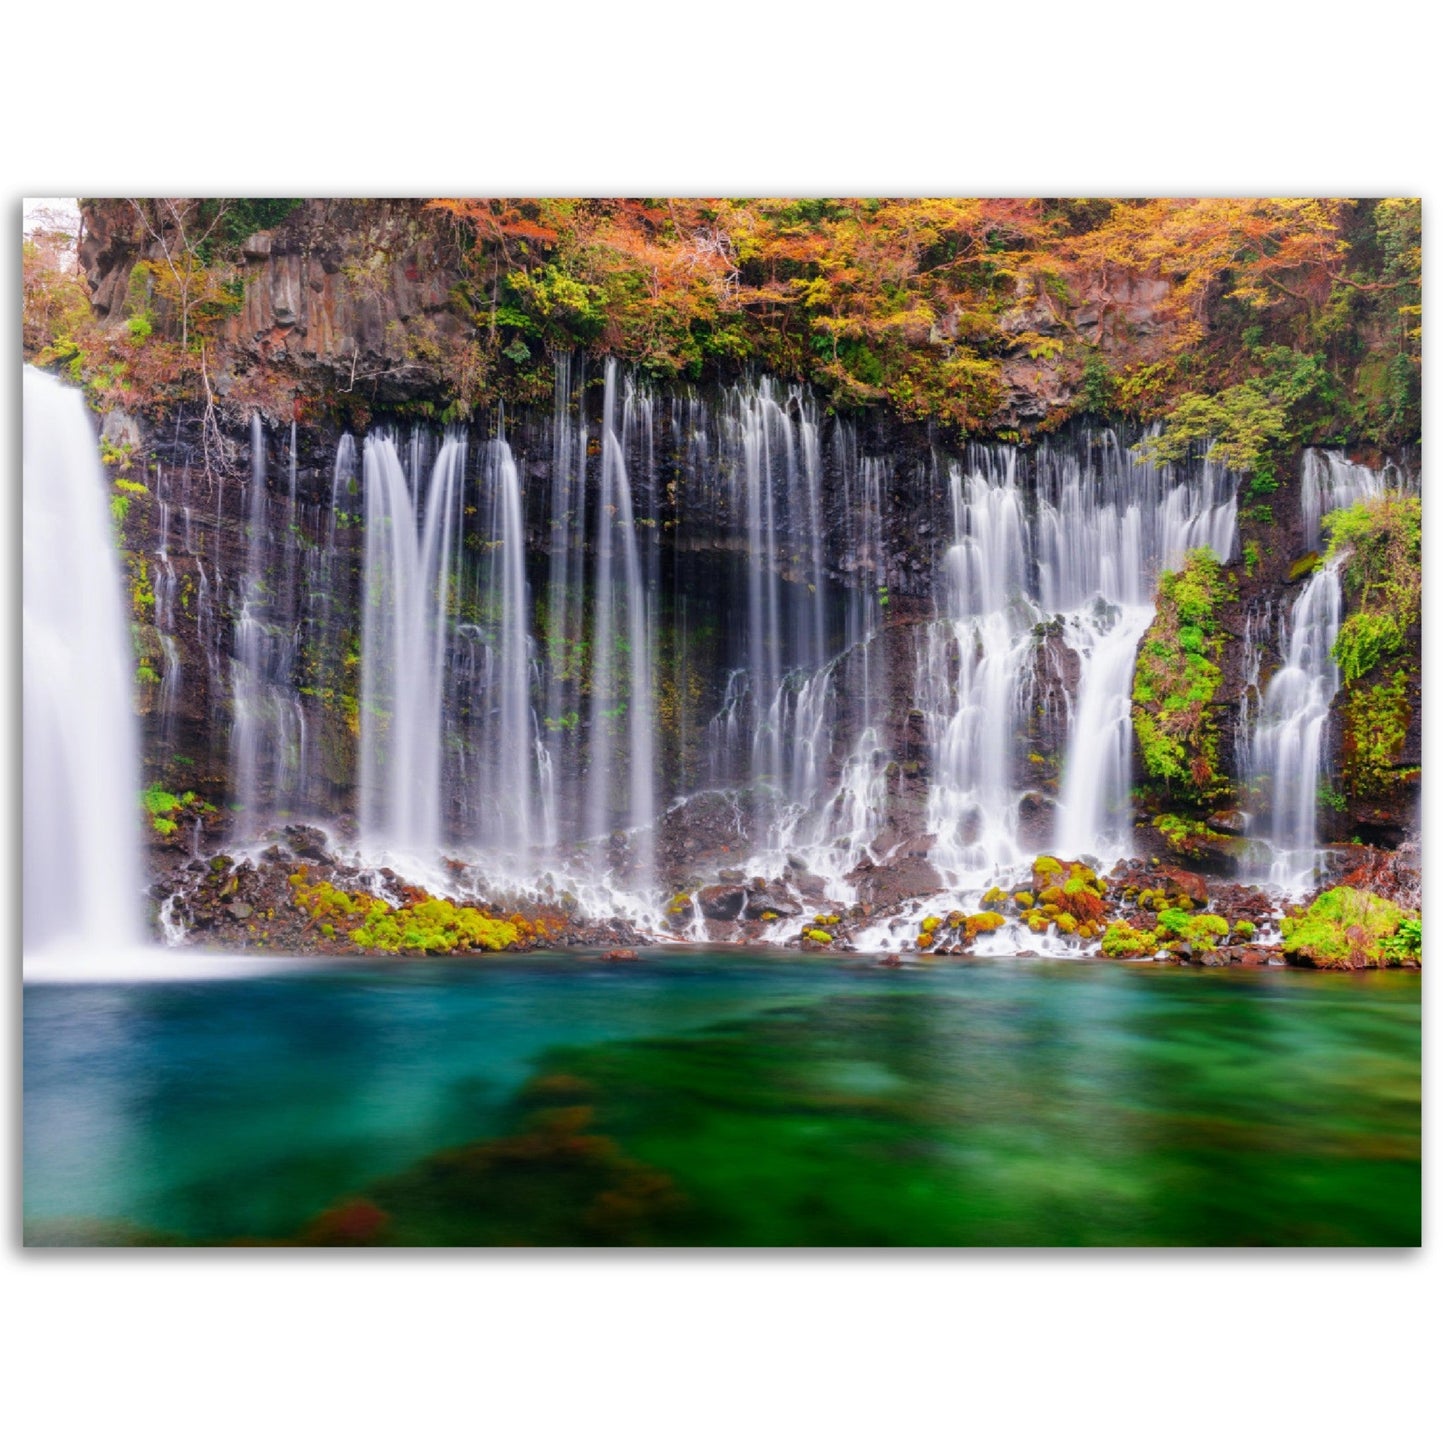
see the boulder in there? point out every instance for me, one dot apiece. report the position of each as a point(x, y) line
point(761, 903)
point(1191, 885)
point(310, 843)
point(884, 884)
point(722, 902)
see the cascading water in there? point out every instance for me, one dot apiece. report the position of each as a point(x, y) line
point(1084, 569)
point(1329, 481)
point(1288, 748)
point(268, 737)
point(529, 654)
point(82, 888)
point(515, 804)
point(406, 631)
point(621, 779)
point(1106, 533)
point(972, 807)
point(1283, 752)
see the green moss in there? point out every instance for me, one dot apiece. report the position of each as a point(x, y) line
point(1190, 836)
point(1176, 679)
point(1349, 928)
point(818, 935)
point(1024, 899)
point(1366, 639)
point(1122, 941)
point(1244, 929)
point(157, 801)
point(426, 925)
point(433, 926)
point(1376, 727)
point(1199, 930)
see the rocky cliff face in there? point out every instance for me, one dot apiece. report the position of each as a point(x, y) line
point(353, 305)
point(346, 302)
point(348, 320)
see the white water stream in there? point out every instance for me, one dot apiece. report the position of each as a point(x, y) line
point(83, 888)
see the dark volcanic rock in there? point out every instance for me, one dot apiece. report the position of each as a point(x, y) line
point(308, 843)
point(1192, 885)
point(888, 883)
point(1392, 875)
point(722, 902)
point(761, 903)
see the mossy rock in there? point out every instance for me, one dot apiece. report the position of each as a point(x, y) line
point(978, 923)
point(1176, 678)
point(1122, 941)
point(1348, 928)
point(1046, 870)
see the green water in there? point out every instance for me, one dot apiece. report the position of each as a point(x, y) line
point(696, 1099)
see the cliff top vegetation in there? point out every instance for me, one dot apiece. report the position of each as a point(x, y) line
point(1259, 323)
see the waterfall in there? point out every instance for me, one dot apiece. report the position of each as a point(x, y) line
point(621, 782)
point(82, 884)
point(564, 628)
point(972, 805)
point(330, 604)
point(515, 802)
point(532, 651)
point(1085, 566)
point(795, 725)
point(1328, 482)
point(406, 626)
point(268, 734)
point(1106, 534)
point(164, 618)
point(1287, 750)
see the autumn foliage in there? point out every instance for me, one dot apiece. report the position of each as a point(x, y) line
point(924, 303)
point(1258, 322)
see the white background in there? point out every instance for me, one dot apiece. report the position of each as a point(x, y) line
point(738, 98)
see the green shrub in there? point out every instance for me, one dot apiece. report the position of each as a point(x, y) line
point(1345, 928)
